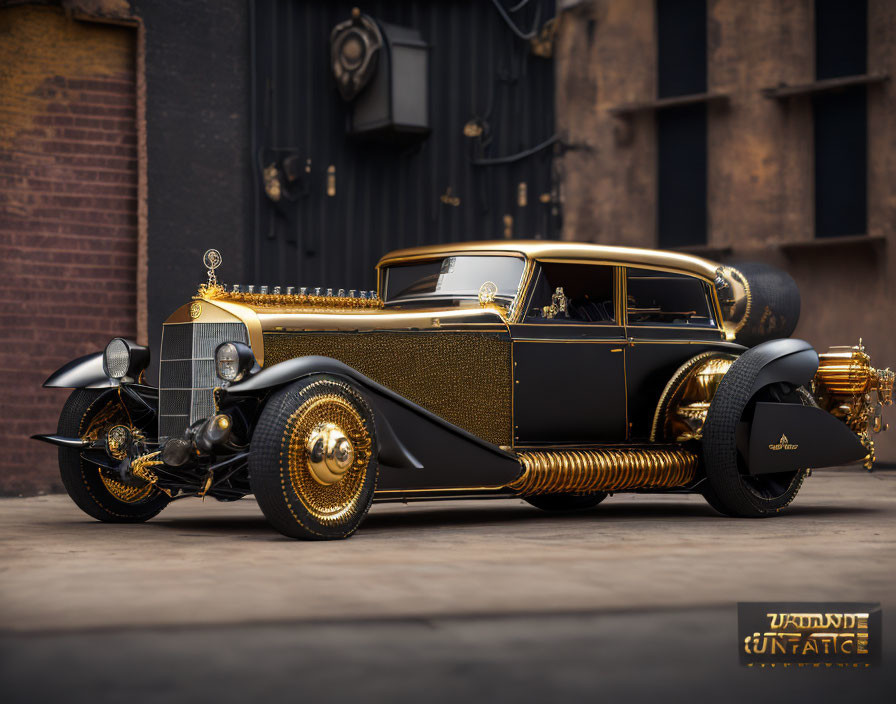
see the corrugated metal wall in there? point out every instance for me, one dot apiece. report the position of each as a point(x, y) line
point(389, 196)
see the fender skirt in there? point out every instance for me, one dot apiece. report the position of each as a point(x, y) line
point(82, 373)
point(418, 449)
point(786, 437)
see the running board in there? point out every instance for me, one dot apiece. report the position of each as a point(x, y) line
point(605, 469)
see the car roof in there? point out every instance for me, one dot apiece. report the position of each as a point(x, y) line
point(570, 251)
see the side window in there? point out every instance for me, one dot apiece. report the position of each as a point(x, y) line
point(573, 293)
point(663, 298)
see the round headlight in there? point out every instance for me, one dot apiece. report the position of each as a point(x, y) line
point(117, 358)
point(124, 358)
point(233, 360)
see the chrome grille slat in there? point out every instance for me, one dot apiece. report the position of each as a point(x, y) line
point(187, 372)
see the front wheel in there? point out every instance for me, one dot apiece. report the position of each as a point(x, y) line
point(97, 491)
point(312, 461)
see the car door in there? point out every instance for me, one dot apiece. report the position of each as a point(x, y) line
point(670, 317)
point(569, 365)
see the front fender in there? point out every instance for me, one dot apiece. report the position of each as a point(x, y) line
point(419, 449)
point(82, 373)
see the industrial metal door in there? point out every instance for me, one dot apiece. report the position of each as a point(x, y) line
point(328, 204)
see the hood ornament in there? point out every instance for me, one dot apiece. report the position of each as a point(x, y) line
point(212, 260)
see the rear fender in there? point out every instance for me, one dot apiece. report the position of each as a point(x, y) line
point(789, 361)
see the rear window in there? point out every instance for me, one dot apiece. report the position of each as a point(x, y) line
point(662, 298)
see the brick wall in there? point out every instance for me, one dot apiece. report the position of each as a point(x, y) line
point(68, 209)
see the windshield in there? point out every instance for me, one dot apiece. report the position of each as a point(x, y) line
point(454, 277)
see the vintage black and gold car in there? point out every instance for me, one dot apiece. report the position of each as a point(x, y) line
point(558, 372)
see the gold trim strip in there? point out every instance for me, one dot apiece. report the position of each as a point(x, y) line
point(565, 251)
point(401, 492)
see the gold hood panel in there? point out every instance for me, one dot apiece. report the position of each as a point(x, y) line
point(298, 320)
point(260, 319)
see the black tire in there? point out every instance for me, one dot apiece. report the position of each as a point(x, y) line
point(565, 503)
point(280, 474)
point(775, 305)
point(728, 488)
point(97, 492)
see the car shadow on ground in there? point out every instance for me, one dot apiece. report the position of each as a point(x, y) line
point(478, 514)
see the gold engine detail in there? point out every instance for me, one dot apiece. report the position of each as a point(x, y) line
point(329, 454)
point(848, 387)
point(735, 298)
point(463, 377)
point(117, 440)
point(216, 292)
point(109, 421)
point(684, 403)
point(588, 471)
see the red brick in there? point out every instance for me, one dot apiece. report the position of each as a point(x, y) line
point(68, 240)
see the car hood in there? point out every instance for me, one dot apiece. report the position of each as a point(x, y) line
point(271, 313)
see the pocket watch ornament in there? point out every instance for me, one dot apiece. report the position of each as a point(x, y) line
point(212, 260)
point(487, 293)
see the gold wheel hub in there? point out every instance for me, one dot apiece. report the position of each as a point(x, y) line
point(109, 421)
point(330, 453)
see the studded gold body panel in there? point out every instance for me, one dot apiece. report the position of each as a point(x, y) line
point(463, 377)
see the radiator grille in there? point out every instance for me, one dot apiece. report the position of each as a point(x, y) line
point(187, 372)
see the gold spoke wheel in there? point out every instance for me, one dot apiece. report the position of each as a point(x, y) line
point(329, 449)
point(111, 415)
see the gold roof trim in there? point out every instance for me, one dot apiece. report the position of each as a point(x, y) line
point(556, 250)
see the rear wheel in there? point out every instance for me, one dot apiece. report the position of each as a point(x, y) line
point(729, 488)
point(99, 491)
point(312, 464)
point(565, 503)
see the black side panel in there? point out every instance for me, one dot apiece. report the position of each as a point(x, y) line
point(449, 460)
point(569, 392)
point(789, 436)
point(649, 366)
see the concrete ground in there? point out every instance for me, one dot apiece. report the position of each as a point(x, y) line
point(489, 600)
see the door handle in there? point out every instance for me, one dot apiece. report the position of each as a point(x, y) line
point(618, 349)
